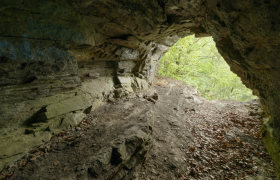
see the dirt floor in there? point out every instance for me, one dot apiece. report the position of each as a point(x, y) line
point(164, 133)
point(223, 137)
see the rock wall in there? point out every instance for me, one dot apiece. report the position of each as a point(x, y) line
point(56, 67)
point(62, 59)
point(247, 36)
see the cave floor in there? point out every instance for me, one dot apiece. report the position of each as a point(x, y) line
point(166, 132)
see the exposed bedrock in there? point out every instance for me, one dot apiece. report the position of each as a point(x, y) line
point(61, 59)
point(247, 36)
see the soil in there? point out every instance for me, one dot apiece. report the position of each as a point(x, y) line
point(167, 132)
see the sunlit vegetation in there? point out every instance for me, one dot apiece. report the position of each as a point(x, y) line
point(198, 62)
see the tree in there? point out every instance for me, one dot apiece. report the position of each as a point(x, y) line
point(198, 62)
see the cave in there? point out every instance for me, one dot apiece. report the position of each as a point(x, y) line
point(60, 60)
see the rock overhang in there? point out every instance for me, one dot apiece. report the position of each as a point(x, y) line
point(49, 49)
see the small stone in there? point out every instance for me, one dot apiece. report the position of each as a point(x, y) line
point(93, 75)
point(255, 169)
point(230, 135)
point(33, 158)
point(39, 153)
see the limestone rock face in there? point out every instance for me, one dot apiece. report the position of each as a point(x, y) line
point(60, 59)
point(247, 36)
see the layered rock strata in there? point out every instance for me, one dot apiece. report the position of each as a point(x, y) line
point(62, 59)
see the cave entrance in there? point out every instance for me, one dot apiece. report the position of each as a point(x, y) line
point(198, 62)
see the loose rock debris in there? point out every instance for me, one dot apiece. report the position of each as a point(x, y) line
point(181, 136)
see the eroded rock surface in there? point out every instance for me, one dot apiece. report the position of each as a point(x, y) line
point(247, 34)
point(51, 51)
point(168, 132)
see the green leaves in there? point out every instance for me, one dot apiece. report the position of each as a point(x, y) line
point(197, 62)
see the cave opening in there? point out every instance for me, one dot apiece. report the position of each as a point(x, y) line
point(61, 61)
point(222, 129)
point(197, 62)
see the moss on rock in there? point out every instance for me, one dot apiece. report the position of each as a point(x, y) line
point(271, 143)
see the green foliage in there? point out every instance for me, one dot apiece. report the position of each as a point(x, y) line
point(198, 62)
